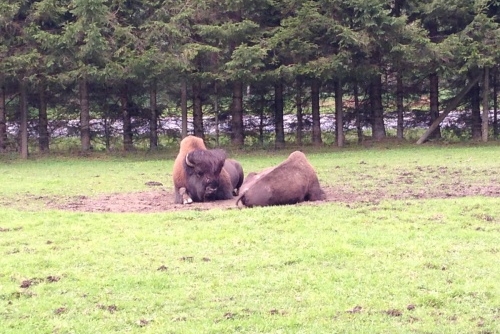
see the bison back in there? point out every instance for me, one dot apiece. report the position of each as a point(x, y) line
point(275, 187)
point(292, 181)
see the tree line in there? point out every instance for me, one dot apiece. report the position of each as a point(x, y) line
point(120, 59)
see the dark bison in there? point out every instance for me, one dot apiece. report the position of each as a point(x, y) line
point(292, 181)
point(198, 173)
point(236, 174)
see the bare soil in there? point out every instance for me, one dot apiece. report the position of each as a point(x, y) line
point(159, 199)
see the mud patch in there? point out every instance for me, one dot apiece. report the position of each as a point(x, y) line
point(370, 187)
point(156, 200)
point(161, 200)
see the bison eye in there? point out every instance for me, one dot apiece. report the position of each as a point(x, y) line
point(199, 173)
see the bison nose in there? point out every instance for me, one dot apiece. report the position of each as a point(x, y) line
point(212, 181)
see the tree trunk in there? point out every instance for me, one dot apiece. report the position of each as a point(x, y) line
point(300, 121)
point(127, 121)
point(377, 112)
point(432, 27)
point(452, 105)
point(3, 119)
point(398, 4)
point(197, 111)
point(434, 103)
point(262, 103)
point(184, 109)
point(107, 134)
point(237, 128)
point(400, 105)
point(359, 128)
point(279, 128)
point(23, 124)
point(315, 113)
point(475, 102)
point(43, 133)
point(216, 110)
point(153, 121)
point(396, 8)
point(84, 116)
point(486, 107)
point(495, 106)
point(339, 114)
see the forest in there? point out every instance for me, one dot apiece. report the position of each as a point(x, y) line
point(138, 62)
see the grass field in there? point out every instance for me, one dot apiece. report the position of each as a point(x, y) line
point(414, 248)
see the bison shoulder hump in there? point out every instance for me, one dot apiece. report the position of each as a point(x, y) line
point(191, 143)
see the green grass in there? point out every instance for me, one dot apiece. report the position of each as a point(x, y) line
point(396, 266)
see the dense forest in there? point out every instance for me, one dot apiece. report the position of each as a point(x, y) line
point(139, 61)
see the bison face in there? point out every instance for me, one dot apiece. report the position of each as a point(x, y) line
point(203, 168)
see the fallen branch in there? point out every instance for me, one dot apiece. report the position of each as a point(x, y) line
point(451, 106)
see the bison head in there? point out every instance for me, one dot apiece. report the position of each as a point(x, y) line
point(203, 168)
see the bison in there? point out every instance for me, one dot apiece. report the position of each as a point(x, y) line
point(292, 181)
point(199, 174)
point(236, 174)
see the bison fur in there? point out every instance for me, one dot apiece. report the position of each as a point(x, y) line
point(198, 173)
point(292, 181)
point(235, 171)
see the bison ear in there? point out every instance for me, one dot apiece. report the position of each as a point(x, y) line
point(220, 154)
point(188, 162)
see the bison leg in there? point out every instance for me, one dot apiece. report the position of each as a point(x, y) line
point(185, 196)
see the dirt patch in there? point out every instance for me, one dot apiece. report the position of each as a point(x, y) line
point(162, 200)
point(375, 184)
point(156, 200)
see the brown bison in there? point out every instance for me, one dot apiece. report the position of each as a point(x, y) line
point(235, 171)
point(292, 181)
point(199, 174)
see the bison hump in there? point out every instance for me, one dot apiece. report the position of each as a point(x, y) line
point(191, 143)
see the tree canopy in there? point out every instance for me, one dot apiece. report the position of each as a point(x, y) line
point(98, 59)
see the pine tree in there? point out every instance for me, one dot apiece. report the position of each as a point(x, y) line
point(3, 116)
point(80, 45)
point(17, 56)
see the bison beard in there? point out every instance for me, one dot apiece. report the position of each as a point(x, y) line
point(199, 174)
point(292, 181)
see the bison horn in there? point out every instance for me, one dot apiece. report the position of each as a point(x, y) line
point(189, 163)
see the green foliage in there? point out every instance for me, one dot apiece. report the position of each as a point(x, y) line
point(481, 40)
point(245, 61)
point(115, 41)
point(160, 43)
